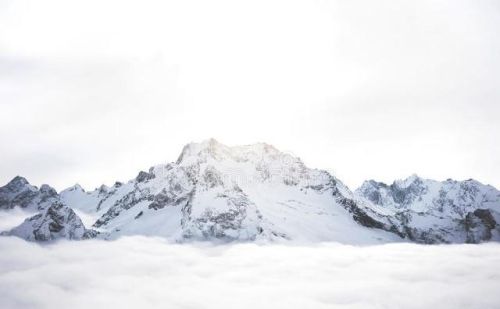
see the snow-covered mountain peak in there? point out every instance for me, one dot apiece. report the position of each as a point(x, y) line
point(214, 191)
point(413, 179)
point(431, 211)
point(19, 192)
point(16, 185)
point(400, 193)
point(54, 222)
point(212, 149)
point(48, 190)
point(75, 187)
point(425, 194)
point(367, 184)
point(17, 182)
point(257, 192)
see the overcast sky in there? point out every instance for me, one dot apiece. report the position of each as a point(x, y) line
point(94, 91)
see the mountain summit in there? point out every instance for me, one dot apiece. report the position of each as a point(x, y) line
point(430, 211)
point(245, 193)
point(258, 193)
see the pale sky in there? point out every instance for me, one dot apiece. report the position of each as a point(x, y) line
point(93, 91)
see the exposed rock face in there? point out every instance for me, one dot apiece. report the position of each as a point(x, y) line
point(429, 211)
point(256, 192)
point(143, 176)
point(18, 192)
point(246, 193)
point(56, 221)
point(479, 225)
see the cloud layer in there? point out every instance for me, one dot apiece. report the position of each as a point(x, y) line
point(136, 272)
point(13, 217)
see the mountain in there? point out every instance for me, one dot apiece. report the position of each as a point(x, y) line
point(216, 192)
point(54, 222)
point(430, 211)
point(18, 192)
point(257, 193)
point(54, 219)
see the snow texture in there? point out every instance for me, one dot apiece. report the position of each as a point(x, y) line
point(54, 222)
point(257, 193)
point(430, 211)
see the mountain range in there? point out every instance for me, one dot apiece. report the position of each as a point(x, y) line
point(257, 193)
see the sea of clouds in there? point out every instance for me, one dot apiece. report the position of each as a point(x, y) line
point(13, 217)
point(140, 272)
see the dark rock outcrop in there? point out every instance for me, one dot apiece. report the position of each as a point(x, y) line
point(19, 193)
point(55, 222)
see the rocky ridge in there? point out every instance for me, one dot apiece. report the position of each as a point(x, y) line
point(258, 193)
point(430, 211)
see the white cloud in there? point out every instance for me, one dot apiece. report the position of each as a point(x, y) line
point(136, 272)
point(13, 217)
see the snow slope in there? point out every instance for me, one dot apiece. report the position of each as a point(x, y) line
point(430, 211)
point(244, 193)
point(258, 193)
